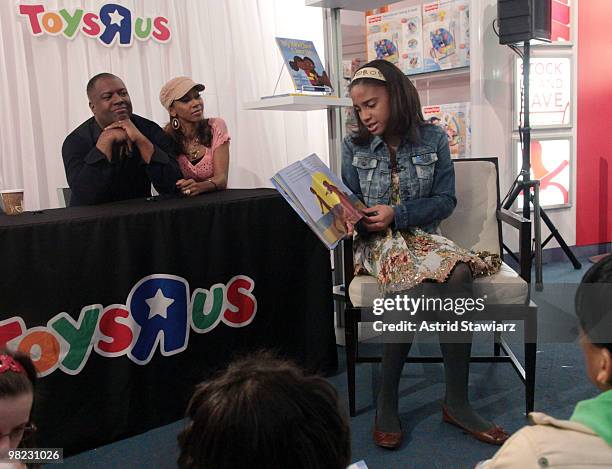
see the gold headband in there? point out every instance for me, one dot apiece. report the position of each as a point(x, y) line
point(368, 72)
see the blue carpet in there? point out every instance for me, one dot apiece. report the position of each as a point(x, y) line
point(495, 391)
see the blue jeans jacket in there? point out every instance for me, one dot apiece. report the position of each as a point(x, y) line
point(427, 177)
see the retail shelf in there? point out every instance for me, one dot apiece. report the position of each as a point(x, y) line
point(355, 5)
point(441, 74)
point(297, 103)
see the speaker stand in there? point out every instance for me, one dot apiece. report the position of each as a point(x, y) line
point(530, 190)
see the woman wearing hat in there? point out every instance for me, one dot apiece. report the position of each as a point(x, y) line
point(202, 144)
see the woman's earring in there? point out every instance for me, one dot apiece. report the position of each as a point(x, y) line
point(175, 123)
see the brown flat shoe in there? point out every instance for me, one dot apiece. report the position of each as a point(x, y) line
point(494, 436)
point(388, 440)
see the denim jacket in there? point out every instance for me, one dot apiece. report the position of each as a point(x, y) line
point(427, 177)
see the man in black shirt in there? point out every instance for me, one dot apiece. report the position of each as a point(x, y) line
point(116, 155)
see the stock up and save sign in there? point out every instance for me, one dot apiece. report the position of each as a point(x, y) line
point(112, 24)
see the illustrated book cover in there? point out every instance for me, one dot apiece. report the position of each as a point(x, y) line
point(320, 198)
point(304, 65)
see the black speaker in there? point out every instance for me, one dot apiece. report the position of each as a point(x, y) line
point(523, 20)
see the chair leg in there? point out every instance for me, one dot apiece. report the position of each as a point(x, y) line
point(496, 343)
point(350, 337)
point(531, 334)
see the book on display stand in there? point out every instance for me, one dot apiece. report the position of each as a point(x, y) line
point(304, 66)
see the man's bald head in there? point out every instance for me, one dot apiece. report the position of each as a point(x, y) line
point(91, 84)
point(108, 99)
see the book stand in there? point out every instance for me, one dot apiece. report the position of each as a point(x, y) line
point(305, 90)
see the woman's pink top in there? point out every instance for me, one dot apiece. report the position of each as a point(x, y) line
point(203, 169)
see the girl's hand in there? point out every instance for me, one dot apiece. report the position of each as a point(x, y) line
point(378, 218)
point(350, 229)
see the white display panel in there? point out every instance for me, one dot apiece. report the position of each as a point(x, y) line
point(550, 164)
point(550, 91)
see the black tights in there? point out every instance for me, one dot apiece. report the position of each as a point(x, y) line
point(455, 347)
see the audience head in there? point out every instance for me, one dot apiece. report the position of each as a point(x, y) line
point(264, 412)
point(17, 383)
point(594, 310)
point(108, 99)
point(385, 101)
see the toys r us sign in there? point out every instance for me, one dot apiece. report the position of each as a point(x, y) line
point(111, 24)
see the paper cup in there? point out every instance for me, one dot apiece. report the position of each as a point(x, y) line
point(11, 201)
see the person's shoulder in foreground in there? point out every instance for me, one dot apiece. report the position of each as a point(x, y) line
point(585, 440)
point(551, 442)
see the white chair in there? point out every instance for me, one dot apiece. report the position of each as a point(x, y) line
point(475, 224)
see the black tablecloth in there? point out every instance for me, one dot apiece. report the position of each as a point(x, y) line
point(114, 298)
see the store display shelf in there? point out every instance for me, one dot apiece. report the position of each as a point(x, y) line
point(355, 5)
point(442, 74)
point(297, 103)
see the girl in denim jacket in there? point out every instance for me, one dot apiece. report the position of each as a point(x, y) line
point(400, 167)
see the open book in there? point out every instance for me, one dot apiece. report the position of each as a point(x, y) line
point(319, 197)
